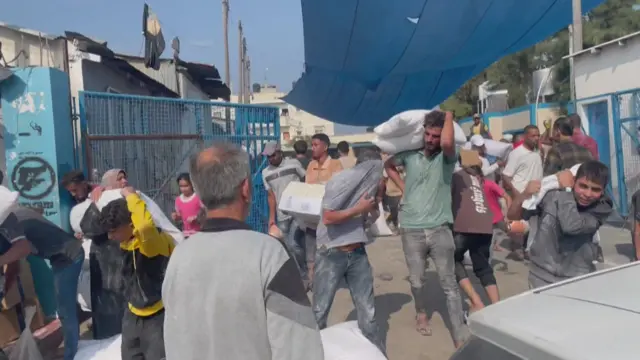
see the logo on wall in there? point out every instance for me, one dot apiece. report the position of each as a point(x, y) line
point(33, 178)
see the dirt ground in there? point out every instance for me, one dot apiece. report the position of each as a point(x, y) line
point(395, 308)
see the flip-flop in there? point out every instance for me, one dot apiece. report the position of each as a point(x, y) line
point(424, 330)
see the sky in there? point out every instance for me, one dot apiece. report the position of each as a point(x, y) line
point(273, 30)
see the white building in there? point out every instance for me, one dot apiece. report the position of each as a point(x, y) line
point(607, 85)
point(294, 122)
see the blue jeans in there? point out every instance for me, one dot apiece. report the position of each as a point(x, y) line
point(333, 265)
point(66, 280)
point(294, 240)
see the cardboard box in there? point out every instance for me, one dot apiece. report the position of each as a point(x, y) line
point(303, 202)
point(12, 297)
point(10, 324)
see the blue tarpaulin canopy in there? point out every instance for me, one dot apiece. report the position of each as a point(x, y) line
point(366, 60)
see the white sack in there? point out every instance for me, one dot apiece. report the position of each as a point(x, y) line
point(8, 202)
point(26, 347)
point(548, 183)
point(345, 341)
point(380, 227)
point(407, 122)
point(392, 146)
point(106, 349)
point(158, 216)
point(494, 148)
point(84, 280)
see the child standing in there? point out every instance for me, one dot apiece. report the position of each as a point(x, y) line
point(188, 206)
point(145, 251)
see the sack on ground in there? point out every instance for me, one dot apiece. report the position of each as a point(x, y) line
point(345, 341)
point(26, 347)
point(107, 349)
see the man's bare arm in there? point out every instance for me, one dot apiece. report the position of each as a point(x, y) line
point(447, 137)
point(393, 173)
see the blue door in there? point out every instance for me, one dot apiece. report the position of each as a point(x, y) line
point(598, 114)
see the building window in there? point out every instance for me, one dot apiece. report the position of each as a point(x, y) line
point(284, 112)
point(286, 135)
point(318, 129)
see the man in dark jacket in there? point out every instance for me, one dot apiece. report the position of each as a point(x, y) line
point(568, 220)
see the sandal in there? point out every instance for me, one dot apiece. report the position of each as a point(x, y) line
point(423, 329)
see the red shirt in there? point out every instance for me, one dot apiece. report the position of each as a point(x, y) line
point(493, 193)
point(587, 142)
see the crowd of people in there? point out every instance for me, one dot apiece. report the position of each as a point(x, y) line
point(229, 292)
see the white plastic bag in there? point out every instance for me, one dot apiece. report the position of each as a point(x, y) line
point(106, 349)
point(159, 218)
point(345, 341)
point(380, 227)
point(26, 347)
point(84, 280)
point(548, 183)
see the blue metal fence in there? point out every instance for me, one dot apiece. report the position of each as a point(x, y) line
point(626, 134)
point(152, 138)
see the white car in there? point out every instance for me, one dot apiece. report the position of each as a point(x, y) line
point(588, 317)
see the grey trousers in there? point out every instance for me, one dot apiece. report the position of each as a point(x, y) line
point(438, 244)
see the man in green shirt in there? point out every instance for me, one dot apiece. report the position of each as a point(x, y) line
point(425, 216)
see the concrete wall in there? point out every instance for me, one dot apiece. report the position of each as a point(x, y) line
point(613, 68)
point(40, 49)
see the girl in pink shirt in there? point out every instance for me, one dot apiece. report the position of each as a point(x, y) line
point(188, 206)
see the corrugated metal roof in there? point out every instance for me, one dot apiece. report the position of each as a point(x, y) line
point(166, 75)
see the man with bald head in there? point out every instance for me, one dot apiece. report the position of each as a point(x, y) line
point(230, 292)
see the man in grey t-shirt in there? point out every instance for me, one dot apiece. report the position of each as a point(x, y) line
point(229, 292)
point(276, 177)
point(348, 199)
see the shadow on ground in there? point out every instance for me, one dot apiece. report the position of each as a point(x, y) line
point(386, 305)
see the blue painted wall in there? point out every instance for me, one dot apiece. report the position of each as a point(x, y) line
point(37, 118)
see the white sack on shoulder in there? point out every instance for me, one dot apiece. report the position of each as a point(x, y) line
point(345, 341)
point(158, 216)
point(392, 146)
point(8, 202)
point(407, 122)
point(548, 183)
point(494, 148)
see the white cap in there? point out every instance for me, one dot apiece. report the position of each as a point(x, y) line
point(477, 140)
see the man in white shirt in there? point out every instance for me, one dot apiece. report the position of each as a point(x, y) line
point(523, 165)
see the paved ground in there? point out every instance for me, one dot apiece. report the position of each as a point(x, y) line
point(396, 309)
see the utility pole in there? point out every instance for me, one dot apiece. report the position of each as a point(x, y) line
point(248, 78)
point(227, 73)
point(240, 87)
point(245, 91)
point(575, 41)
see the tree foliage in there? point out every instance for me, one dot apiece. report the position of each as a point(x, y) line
point(611, 20)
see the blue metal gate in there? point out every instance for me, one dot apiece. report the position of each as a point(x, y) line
point(152, 139)
point(626, 129)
